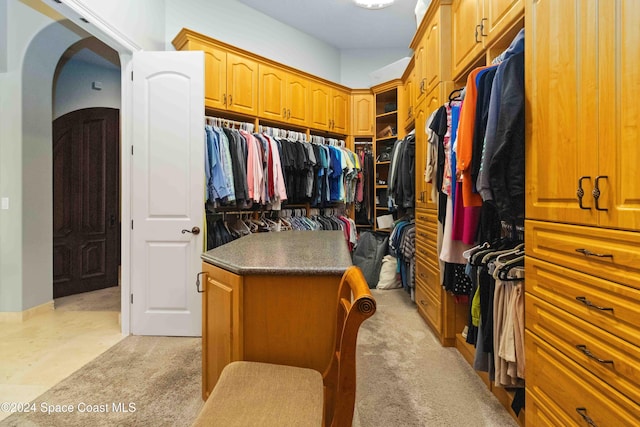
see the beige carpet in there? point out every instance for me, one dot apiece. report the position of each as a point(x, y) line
point(158, 376)
point(107, 299)
point(405, 378)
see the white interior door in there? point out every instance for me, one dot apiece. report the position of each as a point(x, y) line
point(167, 171)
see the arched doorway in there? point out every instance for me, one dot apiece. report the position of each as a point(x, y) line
point(86, 173)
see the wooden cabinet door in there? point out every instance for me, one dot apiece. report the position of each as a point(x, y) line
point(499, 15)
point(339, 111)
point(619, 114)
point(297, 100)
point(409, 100)
point(320, 105)
point(215, 75)
point(242, 84)
point(221, 328)
point(272, 84)
point(421, 156)
point(432, 102)
point(420, 70)
point(561, 113)
point(467, 40)
point(362, 109)
point(432, 64)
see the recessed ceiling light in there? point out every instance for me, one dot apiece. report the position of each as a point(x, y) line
point(373, 4)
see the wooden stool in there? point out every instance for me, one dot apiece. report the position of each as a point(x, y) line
point(265, 394)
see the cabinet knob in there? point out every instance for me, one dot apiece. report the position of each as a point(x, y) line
point(224, 98)
point(284, 113)
point(230, 100)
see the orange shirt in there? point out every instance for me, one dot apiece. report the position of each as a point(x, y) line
point(465, 141)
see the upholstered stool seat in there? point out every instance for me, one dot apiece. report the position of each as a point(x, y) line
point(264, 394)
point(256, 394)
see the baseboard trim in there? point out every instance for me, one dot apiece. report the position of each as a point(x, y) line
point(21, 316)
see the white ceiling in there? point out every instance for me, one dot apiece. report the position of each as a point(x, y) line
point(344, 25)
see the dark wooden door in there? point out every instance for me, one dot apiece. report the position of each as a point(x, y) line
point(86, 173)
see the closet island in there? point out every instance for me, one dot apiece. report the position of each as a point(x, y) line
point(270, 297)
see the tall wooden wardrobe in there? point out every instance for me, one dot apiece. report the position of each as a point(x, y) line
point(582, 300)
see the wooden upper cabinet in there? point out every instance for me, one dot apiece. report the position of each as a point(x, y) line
point(329, 108)
point(409, 98)
point(215, 66)
point(619, 114)
point(298, 105)
point(242, 84)
point(362, 114)
point(283, 96)
point(432, 65)
point(272, 99)
point(421, 155)
point(320, 105)
point(498, 16)
point(583, 130)
point(340, 107)
point(467, 36)
point(419, 70)
point(561, 125)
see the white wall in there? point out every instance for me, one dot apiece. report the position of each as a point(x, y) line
point(3, 36)
point(237, 24)
point(73, 88)
point(358, 64)
point(141, 21)
point(35, 43)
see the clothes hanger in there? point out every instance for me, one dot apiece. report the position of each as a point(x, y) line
point(456, 98)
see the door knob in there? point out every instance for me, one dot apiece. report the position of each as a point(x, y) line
point(194, 230)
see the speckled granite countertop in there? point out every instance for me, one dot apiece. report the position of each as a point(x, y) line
point(284, 253)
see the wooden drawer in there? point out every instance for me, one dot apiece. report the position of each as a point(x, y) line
point(572, 291)
point(428, 220)
point(427, 254)
point(568, 334)
point(565, 390)
point(610, 254)
point(539, 415)
point(428, 307)
point(430, 279)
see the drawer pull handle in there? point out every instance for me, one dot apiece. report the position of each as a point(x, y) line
point(422, 234)
point(588, 303)
point(596, 192)
point(585, 417)
point(423, 302)
point(587, 252)
point(580, 193)
point(583, 348)
point(423, 275)
point(198, 281)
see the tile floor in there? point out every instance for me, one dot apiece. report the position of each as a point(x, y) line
point(40, 352)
